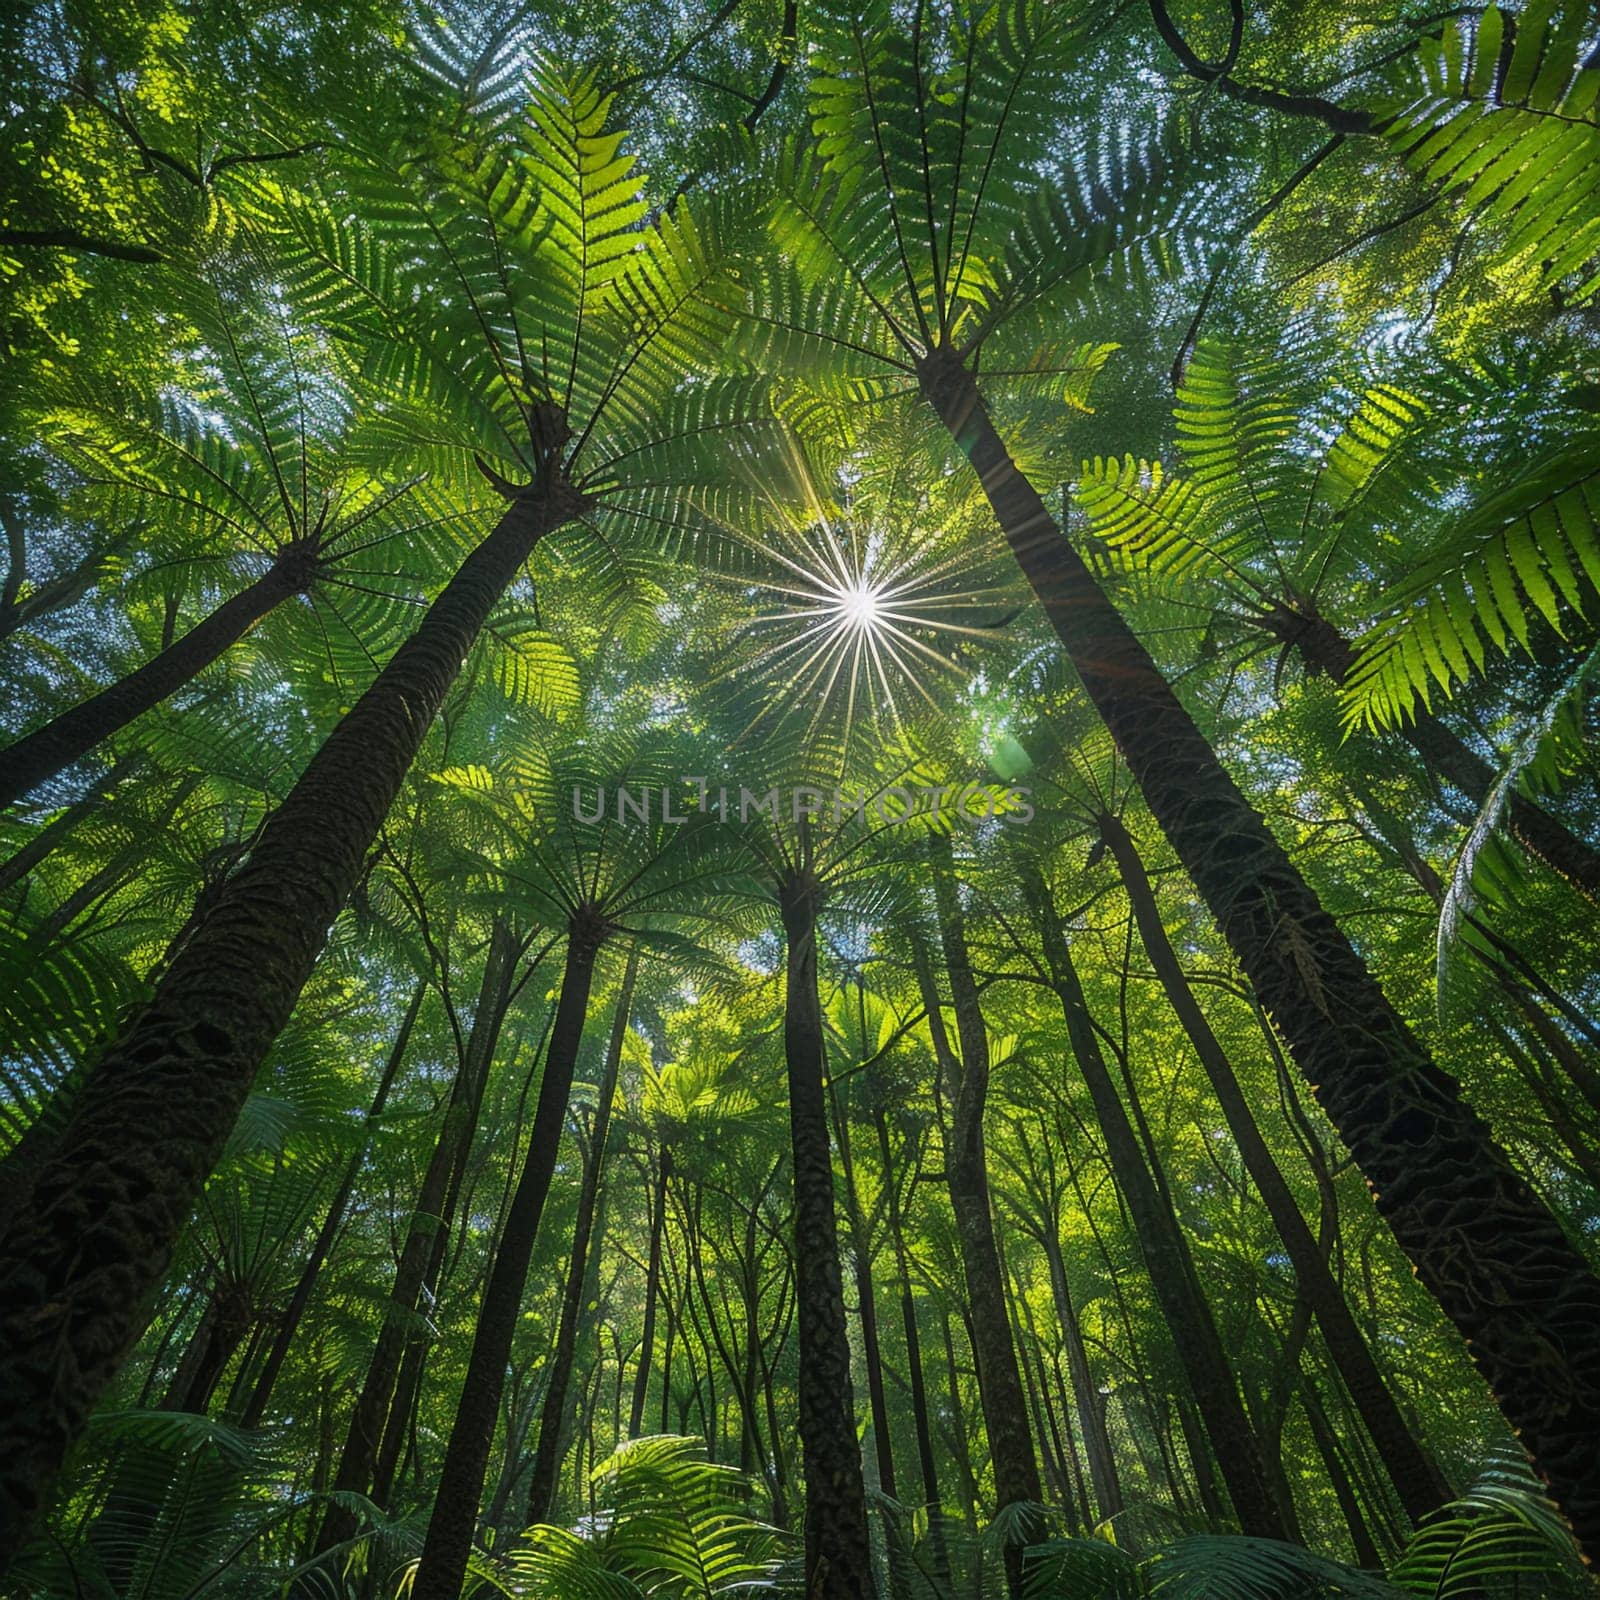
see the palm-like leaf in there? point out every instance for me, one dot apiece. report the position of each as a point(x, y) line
point(673, 1525)
point(1503, 111)
point(1527, 554)
point(1501, 1538)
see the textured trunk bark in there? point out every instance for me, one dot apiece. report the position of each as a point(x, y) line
point(1516, 1287)
point(76, 1271)
point(652, 1292)
point(46, 751)
point(1417, 1480)
point(322, 1245)
point(1194, 1334)
point(448, 1545)
point(553, 1418)
point(422, 1251)
point(838, 1551)
point(27, 1158)
point(1327, 653)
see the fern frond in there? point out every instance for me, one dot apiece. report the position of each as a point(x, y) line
point(1526, 555)
point(1162, 524)
point(1507, 115)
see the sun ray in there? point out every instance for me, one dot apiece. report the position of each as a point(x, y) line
point(857, 620)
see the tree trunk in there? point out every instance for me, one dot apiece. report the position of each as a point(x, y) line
point(1025, 1334)
point(76, 1271)
point(1000, 1390)
point(1516, 1287)
point(448, 1545)
point(289, 1322)
point(1194, 1334)
point(221, 1332)
point(56, 594)
point(916, 1378)
point(961, 1448)
point(652, 1291)
point(424, 1245)
point(120, 869)
point(40, 844)
point(1091, 1405)
point(872, 1356)
point(1327, 653)
point(1417, 1481)
point(1366, 1550)
point(46, 751)
point(552, 1422)
point(838, 1552)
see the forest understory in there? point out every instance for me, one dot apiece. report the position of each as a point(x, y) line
point(799, 797)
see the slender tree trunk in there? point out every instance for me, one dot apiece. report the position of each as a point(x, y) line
point(860, 1250)
point(422, 1251)
point(960, 1448)
point(1091, 1405)
point(652, 1291)
point(552, 1422)
point(221, 1332)
point(289, 1322)
point(448, 1545)
point(1417, 1481)
point(1581, 1147)
point(1516, 1287)
point(1000, 1390)
point(1025, 1335)
point(122, 866)
point(76, 1271)
point(838, 1551)
point(1327, 653)
point(46, 751)
point(1339, 1480)
point(1069, 1438)
point(1200, 1463)
point(780, 1464)
point(39, 846)
point(193, 1357)
point(1194, 1333)
point(56, 594)
point(916, 1376)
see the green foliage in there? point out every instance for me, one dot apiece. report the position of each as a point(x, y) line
point(1504, 110)
point(1527, 555)
point(349, 277)
point(1501, 1538)
point(668, 1523)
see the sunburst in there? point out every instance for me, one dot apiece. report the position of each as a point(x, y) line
point(859, 623)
